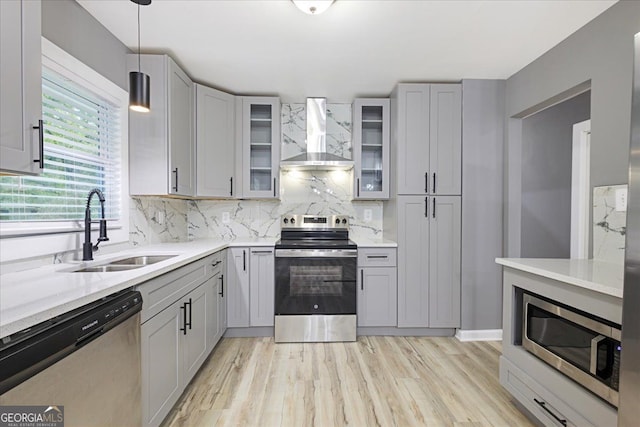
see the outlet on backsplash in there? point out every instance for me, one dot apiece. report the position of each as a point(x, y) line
point(368, 215)
point(621, 200)
point(225, 217)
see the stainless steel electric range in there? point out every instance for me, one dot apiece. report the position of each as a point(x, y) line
point(315, 275)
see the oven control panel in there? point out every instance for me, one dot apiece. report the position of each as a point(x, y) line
point(315, 221)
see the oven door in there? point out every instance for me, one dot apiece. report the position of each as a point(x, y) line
point(315, 281)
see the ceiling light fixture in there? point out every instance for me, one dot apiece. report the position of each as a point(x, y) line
point(313, 7)
point(139, 82)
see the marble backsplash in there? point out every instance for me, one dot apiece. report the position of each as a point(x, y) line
point(294, 130)
point(156, 219)
point(609, 225)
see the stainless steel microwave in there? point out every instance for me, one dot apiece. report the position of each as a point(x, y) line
point(583, 347)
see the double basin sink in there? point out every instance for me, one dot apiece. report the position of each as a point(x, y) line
point(125, 264)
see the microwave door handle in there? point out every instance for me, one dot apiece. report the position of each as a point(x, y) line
point(595, 343)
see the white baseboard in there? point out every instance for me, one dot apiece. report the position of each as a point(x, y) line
point(479, 335)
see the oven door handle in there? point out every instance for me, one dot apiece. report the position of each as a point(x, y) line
point(595, 343)
point(313, 253)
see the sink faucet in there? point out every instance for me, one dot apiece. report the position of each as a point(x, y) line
point(87, 246)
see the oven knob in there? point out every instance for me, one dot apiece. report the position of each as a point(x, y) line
point(286, 221)
point(293, 220)
point(344, 220)
point(315, 306)
point(337, 221)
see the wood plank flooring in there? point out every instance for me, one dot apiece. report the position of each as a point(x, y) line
point(376, 381)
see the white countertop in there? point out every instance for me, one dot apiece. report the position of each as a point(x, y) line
point(32, 296)
point(600, 276)
point(374, 243)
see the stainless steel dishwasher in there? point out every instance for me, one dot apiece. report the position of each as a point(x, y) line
point(87, 360)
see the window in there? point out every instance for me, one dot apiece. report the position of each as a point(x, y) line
point(86, 146)
point(82, 152)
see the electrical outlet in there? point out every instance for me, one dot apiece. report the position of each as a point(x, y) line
point(368, 214)
point(621, 200)
point(160, 217)
point(225, 218)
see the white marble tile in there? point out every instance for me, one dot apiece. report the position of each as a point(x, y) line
point(157, 220)
point(339, 123)
point(609, 225)
point(302, 192)
point(294, 130)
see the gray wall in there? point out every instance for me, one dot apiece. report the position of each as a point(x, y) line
point(72, 28)
point(600, 52)
point(546, 178)
point(482, 175)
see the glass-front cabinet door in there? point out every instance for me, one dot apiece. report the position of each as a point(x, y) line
point(371, 148)
point(261, 147)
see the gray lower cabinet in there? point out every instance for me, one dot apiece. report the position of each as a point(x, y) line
point(215, 142)
point(262, 287)
point(175, 334)
point(20, 86)
point(174, 345)
point(217, 310)
point(237, 290)
point(377, 287)
point(429, 233)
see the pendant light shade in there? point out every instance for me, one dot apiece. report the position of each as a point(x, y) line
point(139, 92)
point(139, 82)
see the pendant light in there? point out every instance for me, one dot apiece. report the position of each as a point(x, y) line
point(139, 83)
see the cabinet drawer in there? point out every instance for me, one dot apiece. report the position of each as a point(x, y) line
point(215, 263)
point(376, 257)
point(548, 408)
point(162, 291)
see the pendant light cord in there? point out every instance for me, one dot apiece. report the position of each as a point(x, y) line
point(139, 38)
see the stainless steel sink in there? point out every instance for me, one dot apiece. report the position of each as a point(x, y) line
point(124, 264)
point(107, 268)
point(141, 260)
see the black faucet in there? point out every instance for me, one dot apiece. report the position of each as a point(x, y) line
point(87, 246)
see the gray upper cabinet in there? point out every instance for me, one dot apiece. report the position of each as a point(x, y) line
point(162, 141)
point(445, 136)
point(215, 142)
point(411, 121)
point(21, 87)
point(428, 138)
point(262, 287)
point(371, 148)
point(429, 233)
point(258, 132)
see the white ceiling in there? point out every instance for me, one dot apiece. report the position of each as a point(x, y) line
point(356, 48)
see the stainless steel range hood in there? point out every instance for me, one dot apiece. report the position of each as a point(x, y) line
point(316, 157)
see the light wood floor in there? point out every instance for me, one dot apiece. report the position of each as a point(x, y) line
point(376, 381)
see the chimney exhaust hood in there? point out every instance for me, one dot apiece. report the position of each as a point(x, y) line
point(316, 157)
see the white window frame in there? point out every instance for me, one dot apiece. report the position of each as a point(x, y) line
point(21, 240)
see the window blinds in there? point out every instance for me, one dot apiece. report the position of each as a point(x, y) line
point(82, 152)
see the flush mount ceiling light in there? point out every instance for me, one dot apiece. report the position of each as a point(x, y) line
point(139, 83)
point(313, 7)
